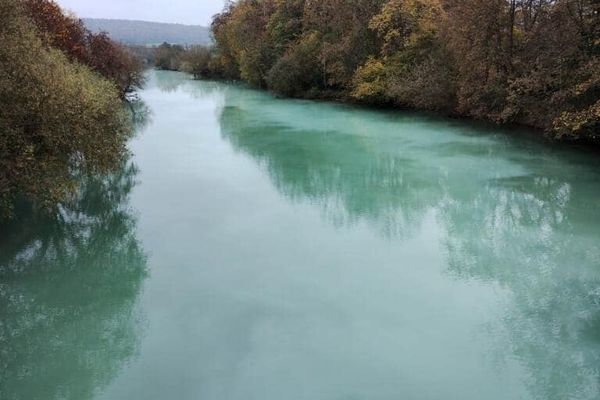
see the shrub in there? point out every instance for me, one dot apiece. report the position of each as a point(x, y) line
point(58, 118)
point(298, 70)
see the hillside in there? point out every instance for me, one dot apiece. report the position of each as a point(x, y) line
point(144, 33)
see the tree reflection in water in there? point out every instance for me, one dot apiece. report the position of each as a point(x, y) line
point(339, 172)
point(140, 115)
point(528, 245)
point(68, 292)
point(523, 221)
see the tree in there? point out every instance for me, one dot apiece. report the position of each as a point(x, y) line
point(299, 70)
point(534, 62)
point(116, 63)
point(412, 68)
point(347, 39)
point(168, 56)
point(477, 36)
point(63, 32)
point(98, 51)
point(58, 118)
point(197, 61)
point(285, 25)
point(242, 32)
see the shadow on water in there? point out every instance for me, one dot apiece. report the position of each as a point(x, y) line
point(513, 213)
point(69, 286)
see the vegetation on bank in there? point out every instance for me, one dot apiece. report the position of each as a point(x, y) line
point(195, 60)
point(61, 114)
point(533, 62)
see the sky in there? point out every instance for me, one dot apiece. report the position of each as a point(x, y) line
point(191, 12)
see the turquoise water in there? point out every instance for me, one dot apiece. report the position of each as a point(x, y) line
point(269, 249)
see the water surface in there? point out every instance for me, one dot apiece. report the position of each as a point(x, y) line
point(269, 249)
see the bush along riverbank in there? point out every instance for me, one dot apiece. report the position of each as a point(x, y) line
point(61, 100)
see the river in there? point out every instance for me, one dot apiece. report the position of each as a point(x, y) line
point(256, 248)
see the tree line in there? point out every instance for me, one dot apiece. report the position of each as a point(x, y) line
point(61, 110)
point(532, 62)
point(195, 59)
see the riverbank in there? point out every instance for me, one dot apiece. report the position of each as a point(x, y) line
point(587, 144)
point(62, 90)
point(505, 62)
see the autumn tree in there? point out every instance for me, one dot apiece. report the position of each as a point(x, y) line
point(534, 62)
point(298, 71)
point(286, 24)
point(59, 118)
point(68, 34)
point(413, 67)
point(196, 60)
point(114, 62)
point(347, 39)
point(61, 31)
point(168, 56)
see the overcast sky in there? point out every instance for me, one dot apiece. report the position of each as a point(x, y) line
point(192, 12)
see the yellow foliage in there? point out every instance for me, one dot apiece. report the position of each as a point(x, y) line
point(402, 23)
point(580, 123)
point(57, 117)
point(370, 81)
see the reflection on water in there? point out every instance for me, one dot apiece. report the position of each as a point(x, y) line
point(533, 243)
point(340, 172)
point(514, 213)
point(169, 83)
point(140, 114)
point(68, 292)
point(308, 250)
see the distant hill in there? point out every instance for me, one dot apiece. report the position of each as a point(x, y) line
point(146, 33)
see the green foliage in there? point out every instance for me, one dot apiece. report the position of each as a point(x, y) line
point(370, 82)
point(299, 70)
point(58, 118)
point(285, 24)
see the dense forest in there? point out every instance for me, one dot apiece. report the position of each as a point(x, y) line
point(61, 94)
point(532, 62)
point(149, 33)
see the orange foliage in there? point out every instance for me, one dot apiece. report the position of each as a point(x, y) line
point(98, 51)
point(59, 30)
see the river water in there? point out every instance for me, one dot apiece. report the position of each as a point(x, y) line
point(256, 248)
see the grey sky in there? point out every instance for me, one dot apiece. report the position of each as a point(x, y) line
point(193, 12)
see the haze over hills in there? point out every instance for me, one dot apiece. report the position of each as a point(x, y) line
point(147, 33)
